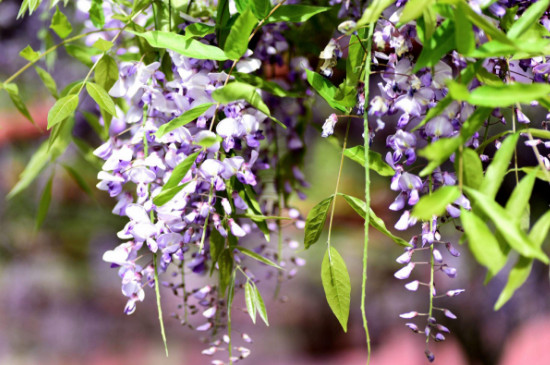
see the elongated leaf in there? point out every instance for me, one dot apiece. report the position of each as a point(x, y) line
point(519, 199)
point(60, 24)
point(373, 12)
point(78, 179)
point(186, 46)
point(62, 109)
point(106, 72)
point(81, 53)
point(239, 91)
point(295, 13)
point(507, 226)
point(360, 207)
point(520, 272)
point(97, 16)
point(315, 221)
point(442, 41)
point(32, 170)
point(472, 168)
point(101, 97)
point(13, 92)
point(376, 163)
point(505, 95)
point(498, 168)
point(325, 88)
point(44, 205)
point(465, 38)
point(529, 18)
point(260, 8)
point(250, 300)
point(236, 43)
point(336, 282)
point(483, 244)
point(225, 265)
point(258, 257)
point(518, 275)
point(260, 306)
point(187, 117)
point(222, 20)
point(181, 170)
point(48, 81)
point(413, 9)
point(435, 203)
point(269, 86)
point(481, 21)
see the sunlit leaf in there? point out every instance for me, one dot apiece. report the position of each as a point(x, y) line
point(435, 203)
point(315, 221)
point(336, 282)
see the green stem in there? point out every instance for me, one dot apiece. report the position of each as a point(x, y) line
point(50, 50)
point(333, 207)
point(367, 190)
point(157, 293)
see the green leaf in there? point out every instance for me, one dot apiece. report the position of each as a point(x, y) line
point(472, 168)
point(373, 12)
point(172, 187)
point(260, 8)
point(236, 43)
point(48, 81)
point(465, 38)
point(241, 5)
point(258, 257)
point(250, 300)
point(62, 109)
point(81, 53)
point(508, 226)
point(186, 46)
point(106, 72)
point(518, 275)
point(315, 221)
point(239, 91)
point(483, 244)
point(185, 118)
point(325, 88)
point(519, 199)
point(29, 54)
point(376, 163)
point(530, 17)
point(442, 41)
point(336, 282)
point(260, 305)
point(13, 92)
point(217, 244)
point(360, 207)
point(483, 22)
point(413, 9)
point(101, 97)
point(295, 13)
point(103, 45)
point(97, 16)
point(44, 204)
point(32, 170)
point(225, 265)
point(199, 30)
point(78, 179)
point(539, 232)
point(498, 168)
point(269, 86)
point(505, 95)
point(222, 20)
point(60, 24)
point(435, 203)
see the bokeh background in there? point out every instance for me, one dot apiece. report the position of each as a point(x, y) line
point(61, 304)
